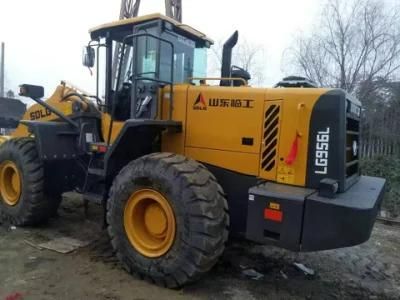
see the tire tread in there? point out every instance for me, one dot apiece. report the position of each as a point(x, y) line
point(206, 208)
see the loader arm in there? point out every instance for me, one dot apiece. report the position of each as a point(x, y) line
point(66, 99)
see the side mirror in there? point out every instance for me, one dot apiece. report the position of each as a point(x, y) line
point(88, 56)
point(32, 91)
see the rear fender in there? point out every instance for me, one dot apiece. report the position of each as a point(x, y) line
point(136, 138)
point(54, 140)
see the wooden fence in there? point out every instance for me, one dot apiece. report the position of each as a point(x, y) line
point(375, 147)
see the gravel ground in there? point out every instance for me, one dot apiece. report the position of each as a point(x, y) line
point(246, 271)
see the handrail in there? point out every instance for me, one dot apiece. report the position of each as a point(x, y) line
point(154, 79)
point(220, 78)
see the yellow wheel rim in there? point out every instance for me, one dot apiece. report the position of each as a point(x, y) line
point(149, 223)
point(10, 183)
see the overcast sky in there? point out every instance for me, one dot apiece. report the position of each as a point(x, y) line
point(44, 38)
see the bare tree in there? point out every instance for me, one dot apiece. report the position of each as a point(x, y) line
point(356, 46)
point(246, 55)
point(355, 42)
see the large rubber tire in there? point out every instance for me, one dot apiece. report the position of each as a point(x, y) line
point(32, 207)
point(200, 209)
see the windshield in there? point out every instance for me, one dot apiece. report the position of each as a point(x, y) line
point(200, 62)
point(188, 60)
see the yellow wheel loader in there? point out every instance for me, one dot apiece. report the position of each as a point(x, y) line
point(181, 161)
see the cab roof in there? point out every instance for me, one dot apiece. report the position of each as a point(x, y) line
point(99, 31)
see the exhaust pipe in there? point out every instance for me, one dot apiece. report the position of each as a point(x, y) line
point(227, 58)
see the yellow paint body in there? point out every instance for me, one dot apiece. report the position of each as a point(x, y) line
point(213, 134)
point(38, 113)
point(215, 121)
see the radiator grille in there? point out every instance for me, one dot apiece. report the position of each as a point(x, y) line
point(352, 145)
point(270, 137)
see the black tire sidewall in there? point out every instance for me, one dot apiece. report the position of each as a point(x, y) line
point(201, 216)
point(160, 181)
point(21, 213)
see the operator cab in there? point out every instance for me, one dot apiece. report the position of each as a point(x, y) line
point(151, 52)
